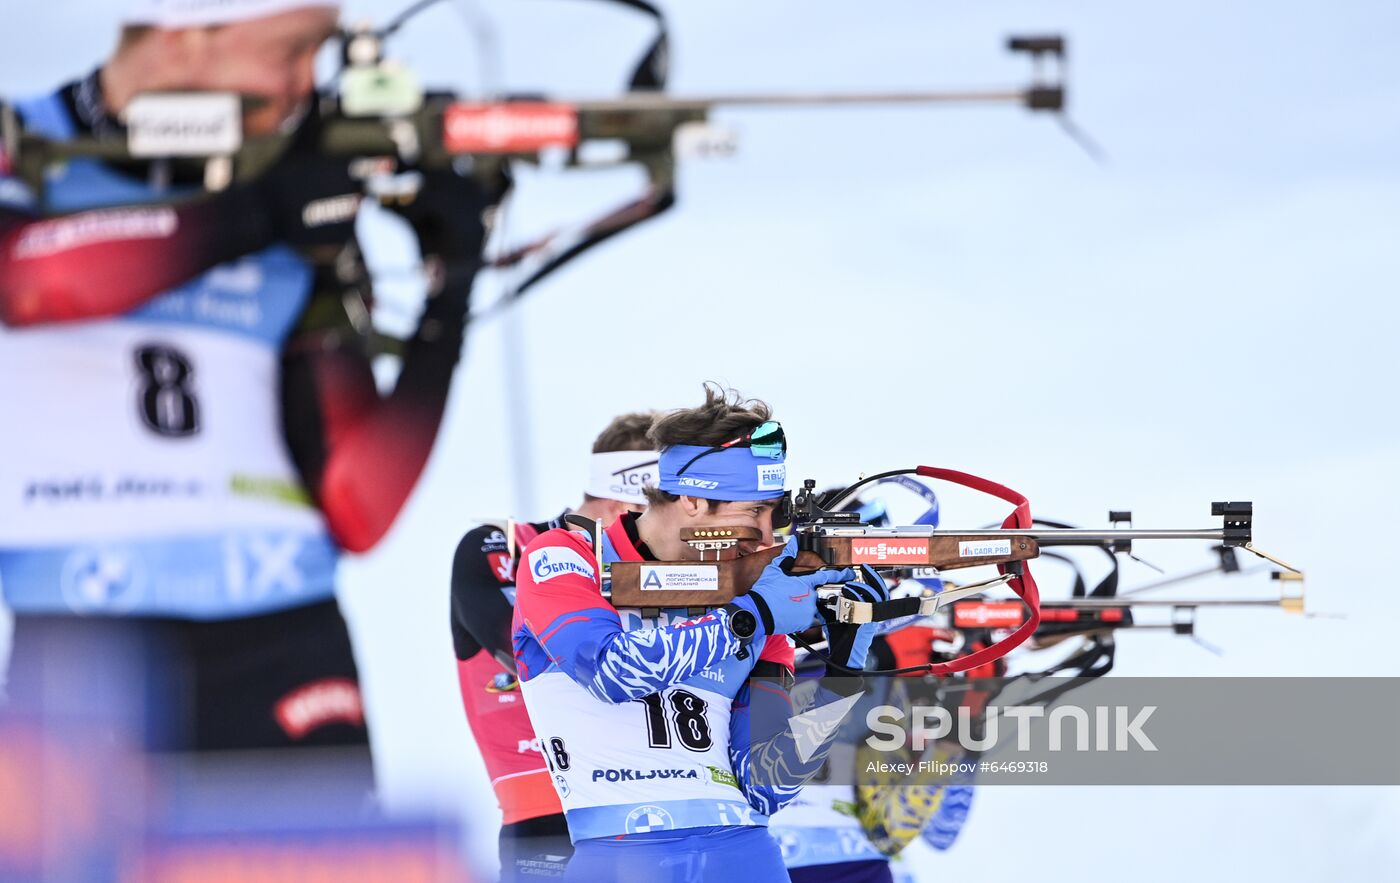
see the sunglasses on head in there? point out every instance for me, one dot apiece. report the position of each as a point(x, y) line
point(766, 440)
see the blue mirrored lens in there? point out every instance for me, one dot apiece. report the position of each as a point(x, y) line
point(768, 441)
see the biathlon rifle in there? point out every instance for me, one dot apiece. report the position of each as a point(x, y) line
point(828, 537)
point(380, 110)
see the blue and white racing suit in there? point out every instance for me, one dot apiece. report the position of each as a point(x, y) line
point(645, 724)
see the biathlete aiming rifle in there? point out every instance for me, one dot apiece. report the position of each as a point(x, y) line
point(830, 538)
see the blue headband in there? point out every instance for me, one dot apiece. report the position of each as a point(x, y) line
point(728, 474)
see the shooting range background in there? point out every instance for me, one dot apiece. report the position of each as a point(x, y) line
point(1208, 316)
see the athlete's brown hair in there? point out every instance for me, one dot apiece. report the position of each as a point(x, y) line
point(725, 415)
point(626, 433)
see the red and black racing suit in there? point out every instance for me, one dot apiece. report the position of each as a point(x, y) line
point(534, 839)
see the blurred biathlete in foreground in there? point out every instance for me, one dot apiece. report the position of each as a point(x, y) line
point(534, 840)
point(198, 444)
point(645, 723)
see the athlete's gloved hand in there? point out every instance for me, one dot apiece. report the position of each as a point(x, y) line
point(308, 198)
point(787, 603)
point(446, 215)
point(850, 644)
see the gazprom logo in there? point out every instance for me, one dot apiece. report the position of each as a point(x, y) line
point(772, 477)
point(554, 561)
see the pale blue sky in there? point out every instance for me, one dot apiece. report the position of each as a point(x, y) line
point(1209, 316)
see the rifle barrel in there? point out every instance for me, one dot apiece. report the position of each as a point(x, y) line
point(1045, 536)
point(661, 101)
point(1063, 537)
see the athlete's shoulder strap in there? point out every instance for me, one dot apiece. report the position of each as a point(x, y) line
point(587, 525)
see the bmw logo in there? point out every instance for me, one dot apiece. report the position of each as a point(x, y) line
point(108, 580)
point(649, 818)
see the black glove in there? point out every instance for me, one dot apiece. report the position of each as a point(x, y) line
point(308, 198)
point(850, 644)
point(446, 215)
